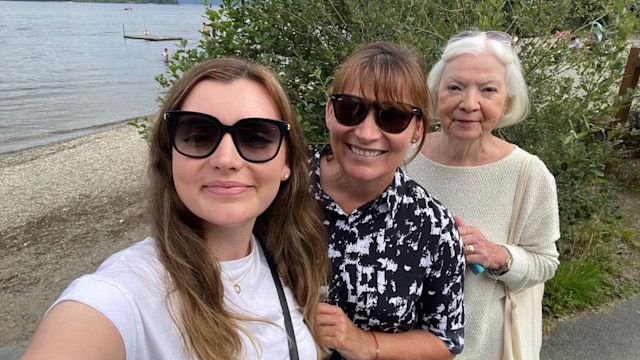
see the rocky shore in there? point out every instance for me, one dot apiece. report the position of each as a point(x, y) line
point(64, 208)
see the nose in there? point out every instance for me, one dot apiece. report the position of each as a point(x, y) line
point(368, 130)
point(469, 101)
point(226, 155)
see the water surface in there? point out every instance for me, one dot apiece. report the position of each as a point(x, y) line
point(68, 71)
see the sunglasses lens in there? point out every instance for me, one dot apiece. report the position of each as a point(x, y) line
point(257, 140)
point(198, 135)
point(500, 37)
point(195, 136)
point(349, 110)
point(462, 35)
point(394, 118)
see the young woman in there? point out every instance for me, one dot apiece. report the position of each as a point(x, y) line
point(237, 257)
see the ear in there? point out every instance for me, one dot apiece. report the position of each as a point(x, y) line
point(418, 132)
point(328, 112)
point(286, 172)
point(506, 105)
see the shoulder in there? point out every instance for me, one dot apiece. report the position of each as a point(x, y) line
point(123, 281)
point(314, 161)
point(538, 170)
point(314, 167)
point(139, 257)
point(314, 175)
point(404, 186)
point(128, 276)
point(131, 290)
point(540, 191)
point(421, 202)
point(409, 187)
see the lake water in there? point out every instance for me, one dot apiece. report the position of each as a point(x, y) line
point(66, 70)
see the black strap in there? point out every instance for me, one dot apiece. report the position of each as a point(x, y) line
point(291, 335)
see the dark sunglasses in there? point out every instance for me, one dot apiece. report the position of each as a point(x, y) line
point(392, 117)
point(499, 36)
point(198, 135)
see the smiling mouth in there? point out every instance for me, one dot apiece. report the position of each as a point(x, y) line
point(226, 190)
point(365, 153)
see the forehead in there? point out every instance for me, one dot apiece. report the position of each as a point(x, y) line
point(484, 65)
point(378, 90)
point(231, 101)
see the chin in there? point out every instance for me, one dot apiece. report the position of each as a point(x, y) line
point(365, 175)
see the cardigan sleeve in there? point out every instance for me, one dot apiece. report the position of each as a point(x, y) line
point(534, 252)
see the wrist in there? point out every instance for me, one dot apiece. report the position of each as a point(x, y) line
point(377, 347)
point(505, 267)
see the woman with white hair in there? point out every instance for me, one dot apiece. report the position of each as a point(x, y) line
point(477, 86)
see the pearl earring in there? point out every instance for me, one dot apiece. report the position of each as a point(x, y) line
point(285, 177)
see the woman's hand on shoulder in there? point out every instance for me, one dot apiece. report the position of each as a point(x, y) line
point(478, 249)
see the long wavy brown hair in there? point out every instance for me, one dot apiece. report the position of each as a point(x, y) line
point(291, 228)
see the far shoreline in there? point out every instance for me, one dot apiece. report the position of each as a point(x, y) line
point(57, 140)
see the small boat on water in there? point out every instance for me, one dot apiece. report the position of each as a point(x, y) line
point(128, 8)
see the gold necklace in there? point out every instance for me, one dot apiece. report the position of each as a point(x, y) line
point(236, 283)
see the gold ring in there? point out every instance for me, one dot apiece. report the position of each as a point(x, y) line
point(470, 249)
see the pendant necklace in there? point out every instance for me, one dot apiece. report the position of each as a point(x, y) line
point(236, 283)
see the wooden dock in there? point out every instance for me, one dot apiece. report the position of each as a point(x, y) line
point(153, 37)
point(149, 37)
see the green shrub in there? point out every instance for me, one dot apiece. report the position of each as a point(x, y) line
point(574, 97)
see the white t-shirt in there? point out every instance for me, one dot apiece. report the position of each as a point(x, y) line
point(130, 289)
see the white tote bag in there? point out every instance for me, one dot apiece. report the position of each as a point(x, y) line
point(522, 309)
point(523, 324)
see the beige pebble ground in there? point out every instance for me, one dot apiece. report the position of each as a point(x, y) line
point(63, 209)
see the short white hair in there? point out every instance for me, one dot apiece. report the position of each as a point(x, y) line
point(518, 105)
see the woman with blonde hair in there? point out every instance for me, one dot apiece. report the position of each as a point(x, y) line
point(236, 259)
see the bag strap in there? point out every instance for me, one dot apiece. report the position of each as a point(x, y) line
point(517, 201)
point(291, 335)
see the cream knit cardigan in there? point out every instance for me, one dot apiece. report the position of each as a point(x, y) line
point(483, 197)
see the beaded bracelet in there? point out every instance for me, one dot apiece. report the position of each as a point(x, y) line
point(377, 346)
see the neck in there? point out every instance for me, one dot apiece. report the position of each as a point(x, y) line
point(347, 192)
point(228, 244)
point(449, 151)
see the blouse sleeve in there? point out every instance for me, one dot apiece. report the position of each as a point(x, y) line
point(441, 302)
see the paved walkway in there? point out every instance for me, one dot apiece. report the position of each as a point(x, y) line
point(10, 353)
point(611, 334)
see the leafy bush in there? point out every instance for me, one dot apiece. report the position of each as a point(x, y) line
point(573, 93)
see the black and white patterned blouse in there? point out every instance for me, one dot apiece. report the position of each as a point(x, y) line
point(396, 262)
